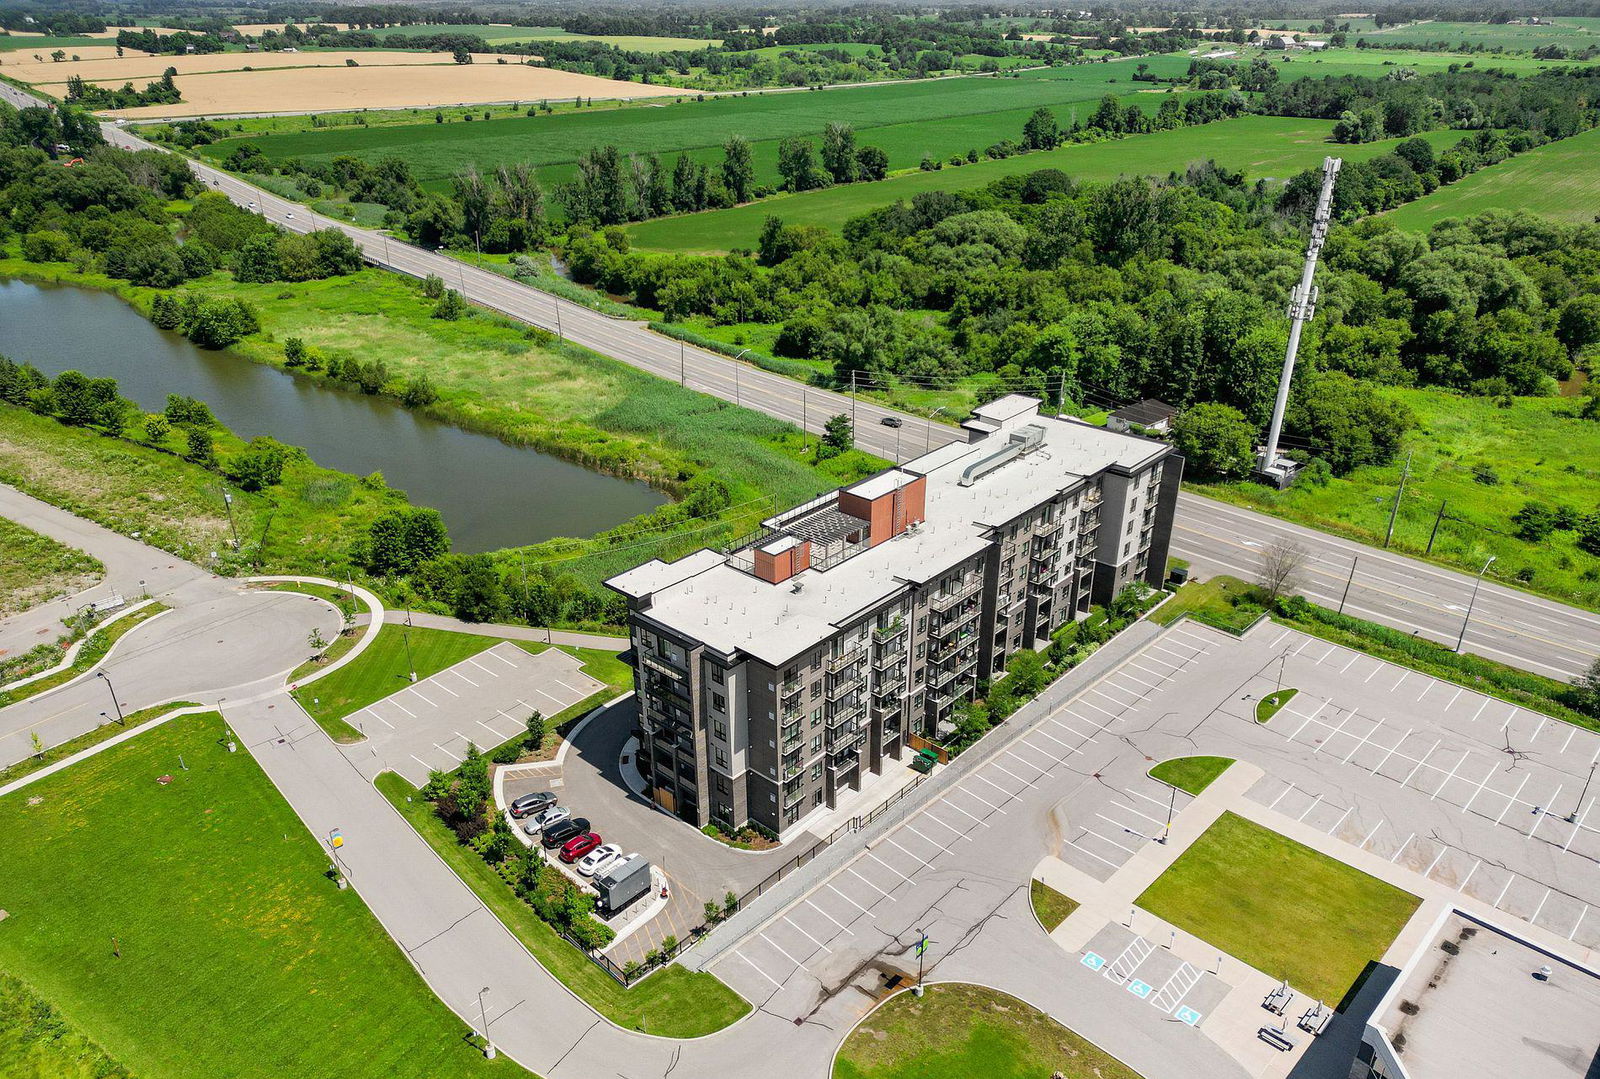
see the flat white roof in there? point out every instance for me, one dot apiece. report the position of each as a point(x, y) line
point(881, 484)
point(732, 610)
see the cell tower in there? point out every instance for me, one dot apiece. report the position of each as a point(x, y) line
point(1270, 468)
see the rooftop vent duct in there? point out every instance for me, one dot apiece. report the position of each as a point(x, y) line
point(1022, 441)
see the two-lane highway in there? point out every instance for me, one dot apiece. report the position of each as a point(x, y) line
point(1528, 631)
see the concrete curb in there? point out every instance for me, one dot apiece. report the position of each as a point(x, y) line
point(77, 646)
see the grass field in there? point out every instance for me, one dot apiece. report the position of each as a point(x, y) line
point(1317, 925)
point(1560, 180)
point(381, 670)
point(1568, 32)
point(1049, 906)
point(37, 1043)
point(39, 43)
point(960, 1031)
point(214, 944)
point(1224, 602)
point(1191, 774)
point(1484, 463)
point(37, 569)
point(672, 1003)
point(499, 35)
point(1262, 146)
point(907, 119)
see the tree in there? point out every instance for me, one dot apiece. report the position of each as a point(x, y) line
point(738, 169)
point(535, 738)
point(1215, 439)
point(872, 163)
point(259, 466)
point(797, 164)
point(838, 436)
point(1535, 521)
point(839, 152)
point(1282, 562)
point(1041, 132)
point(1347, 422)
point(1588, 685)
point(451, 306)
point(1579, 324)
point(198, 447)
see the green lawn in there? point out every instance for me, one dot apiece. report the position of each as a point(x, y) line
point(965, 1032)
point(1191, 774)
point(1262, 146)
point(1559, 180)
point(1273, 703)
point(1567, 32)
point(37, 1043)
point(1484, 462)
point(238, 957)
point(1049, 906)
point(1280, 907)
point(37, 569)
point(672, 1003)
point(1224, 602)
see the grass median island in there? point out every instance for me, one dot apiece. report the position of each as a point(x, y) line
point(1280, 907)
point(37, 569)
point(1273, 703)
point(957, 1031)
point(234, 954)
point(1049, 906)
point(1191, 774)
point(673, 1002)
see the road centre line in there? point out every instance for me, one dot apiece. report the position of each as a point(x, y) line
point(1514, 799)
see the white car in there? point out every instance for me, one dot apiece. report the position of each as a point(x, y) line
point(598, 860)
point(252, 206)
point(289, 216)
point(553, 815)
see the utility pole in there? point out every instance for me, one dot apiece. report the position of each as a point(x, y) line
point(1434, 534)
point(1394, 510)
point(559, 334)
point(1302, 305)
point(683, 379)
point(803, 431)
point(1348, 582)
point(1473, 601)
point(852, 404)
point(405, 634)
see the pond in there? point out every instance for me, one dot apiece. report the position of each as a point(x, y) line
point(492, 495)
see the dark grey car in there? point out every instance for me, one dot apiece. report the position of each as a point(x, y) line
point(558, 834)
point(529, 804)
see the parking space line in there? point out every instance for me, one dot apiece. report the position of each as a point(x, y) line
point(757, 969)
point(946, 800)
point(1136, 813)
point(1163, 675)
point(495, 652)
point(1544, 812)
point(402, 708)
point(889, 867)
point(1075, 732)
point(1316, 800)
point(1320, 746)
point(1332, 648)
point(1309, 718)
point(1514, 799)
point(1493, 768)
point(1026, 783)
point(1279, 640)
point(1279, 798)
point(1407, 780)
point(1376, 727)
point(1157, 647)
point(1409, 732)
point(380, 719)
point(1057, 741)
point(829, 885)
point(926, 864)
point(1353, 657)
point(1581, 916)
point(1404, 674)
point(1535, 919)
point(422, 762)
point(464, 678)
point(936, 820)
point(979, 775)
point(797, 927)
point(481, 667)
point(1108, 839)
point(1146, 797)
point(1114, 716)
point(868, 883)
point(1479, 712)
point(814, 906)
point(1372, 833)
point(1374, 673)
point(1509, 718)
point(1504, 890)
point(1442, 852)
point(1459, 691)
point(1092, 854)
point(447, 753)
point(1451, 776)
point(1542, 721)
point(1571, 734)
point(1463, 886)
point(924, 838)
point(1340, 821)
point(425, 700)
point(1403, 847)
point(488, 728)
point(1424, 693)
point(1579, 826)
point(440, 685)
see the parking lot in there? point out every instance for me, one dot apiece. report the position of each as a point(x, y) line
point(484, 699)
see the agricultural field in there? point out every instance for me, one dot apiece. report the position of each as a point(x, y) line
point(1375, 63)
point(907, 119)
point(1560, 180)
point(1262, 146)
point(499, 35)
point(215, 944)
point(1568, 32)
point(15, 42)
point(112, 72)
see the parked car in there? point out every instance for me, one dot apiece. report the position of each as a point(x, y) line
point(559, 833)
point(597, 860)
point(546, 820)
point(578, 846)
point(892, 421)
point(529, 804)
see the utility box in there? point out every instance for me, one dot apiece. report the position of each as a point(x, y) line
point(623, 885)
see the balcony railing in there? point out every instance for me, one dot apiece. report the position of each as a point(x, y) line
point(885, 634)
point(852, 713)
point(955, 622)
point(1047, 529)
point(844, 659)
point(963, 588)
point(889, 658)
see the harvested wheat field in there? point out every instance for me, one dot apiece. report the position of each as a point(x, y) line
point(109, 71)
point(325, 89)
point(18, 60)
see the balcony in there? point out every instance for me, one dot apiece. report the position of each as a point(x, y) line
point(1089, 519)
point(792, 737)
point(964, 588)
point(889, 658)
point(1047, 529)
point(854, 712)
point(791, 795)
point(843, 736)
point(844, 659)
point(885, 634)
point(945, 650)
point(792, 769)
point(839, 685)
point(950, 625)
point(954, 669)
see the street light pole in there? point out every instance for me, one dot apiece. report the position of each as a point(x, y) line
point(405, 634)
point(1471, 602)
point(227, 498)
point(1572, 818)
point(927, 430)
point(738, 398)
point(483, 1014)
point(113, 691)
point(1350, 581)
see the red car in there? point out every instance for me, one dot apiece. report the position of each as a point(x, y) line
point(578, 846)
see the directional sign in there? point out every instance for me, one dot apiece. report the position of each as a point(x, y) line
point(922, 945)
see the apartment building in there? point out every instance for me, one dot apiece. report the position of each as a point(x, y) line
point(772, 677)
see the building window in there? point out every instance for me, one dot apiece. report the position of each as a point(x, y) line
point(722, 785)
point(921, 650)
point(719, 702)
point(816, 798)
point(716, 675)
point(922, 624)
point(722, 758)
point(816, 773)
point(816, 690)
point(719, 730)
point(816, 744)
point(816, 716)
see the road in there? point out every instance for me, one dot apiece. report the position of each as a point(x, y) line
point(1515, 627)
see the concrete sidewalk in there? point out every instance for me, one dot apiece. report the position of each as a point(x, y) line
point(515, 633)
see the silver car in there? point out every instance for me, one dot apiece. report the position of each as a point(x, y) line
point(553, 815)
